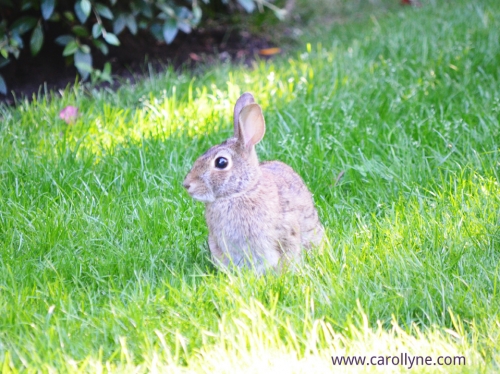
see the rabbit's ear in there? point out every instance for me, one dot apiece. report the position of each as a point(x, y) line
point(243, 101)
point(252, 125)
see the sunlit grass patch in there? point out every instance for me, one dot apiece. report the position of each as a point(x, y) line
point(179, 106)
point(254, 343)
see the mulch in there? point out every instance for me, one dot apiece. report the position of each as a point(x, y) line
point(49, 70)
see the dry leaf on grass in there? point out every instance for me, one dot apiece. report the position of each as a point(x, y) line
point(69, 114)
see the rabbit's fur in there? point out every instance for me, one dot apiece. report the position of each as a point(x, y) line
point(258, 215)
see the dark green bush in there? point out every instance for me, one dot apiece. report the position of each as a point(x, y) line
point(86, 26)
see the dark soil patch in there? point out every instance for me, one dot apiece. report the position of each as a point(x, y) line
point(49, 70)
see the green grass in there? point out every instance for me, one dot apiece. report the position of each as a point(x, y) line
point(104, 264)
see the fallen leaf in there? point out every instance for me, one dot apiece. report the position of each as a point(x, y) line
point(194, 57)
point(269, 51)
point(69, 114)
point(411, 2)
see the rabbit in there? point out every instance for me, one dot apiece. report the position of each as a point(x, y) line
point(259, 215)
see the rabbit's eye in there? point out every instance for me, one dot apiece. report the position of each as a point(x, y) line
point(221, 162)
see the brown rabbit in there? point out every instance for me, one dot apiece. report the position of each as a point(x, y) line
point(258, 215)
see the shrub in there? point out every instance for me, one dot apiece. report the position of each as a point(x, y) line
point(87, 26)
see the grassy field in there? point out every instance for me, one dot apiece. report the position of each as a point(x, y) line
point(104, 264)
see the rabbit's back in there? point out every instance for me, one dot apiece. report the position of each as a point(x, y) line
point(296, 203)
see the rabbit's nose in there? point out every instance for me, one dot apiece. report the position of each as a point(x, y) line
point(186, 185)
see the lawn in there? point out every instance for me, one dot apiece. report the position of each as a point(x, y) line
point(104, 264)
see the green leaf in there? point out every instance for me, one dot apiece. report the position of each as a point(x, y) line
point(80, 30)
point(70, 48)
point(96, 30)
point(184, 26)
point(83, 62)
point(86, 7)
point(47, 8)
point(69, 16)
point(3, 86)
point(16, 41)
point(23, 25)
point(196, 15)
point(248, 5)
point(170, 30)
point(36, 41)
point(107, 68)
point(64, 39)
point(55, 17)
point(157, 31)
point(182, 12)
point(132, 24)
point(111, 39)
point(26, 5)
point(80, 13)
point(103, 47)
point(119, 24)
point(146, 9)
point(84, 48)
point(166, 9)
point(104, 11)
